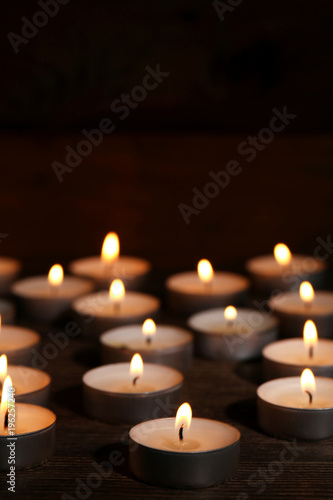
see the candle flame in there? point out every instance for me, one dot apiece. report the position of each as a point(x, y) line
point(117, 290)
point(3, 367)
point(230, 313)
point(308, 383)
point(56, 275)
point(7, 386)
point(310, 335)
point(110, 248)
point(306, 292)
point(136, 366)
point(149, 327)
point(282, 254)
point(184, 416)
point(205, 271)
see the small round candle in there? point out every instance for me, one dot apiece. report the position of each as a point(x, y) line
point(293, 310)
point(190, 292)
point(287, 410)
point(18, 344)
point(232, 334)
point(103, 310)
point(116, 394)
point(162, 344)
point(283, 271)
point(9, 270)
point(110, 265)
point(173, 454)
point(48, 298)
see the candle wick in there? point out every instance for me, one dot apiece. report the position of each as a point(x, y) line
point(136, 379)
point(148, 340)
point(6, 420)
point(311, 351)
point(310, 396)
point(181, 433)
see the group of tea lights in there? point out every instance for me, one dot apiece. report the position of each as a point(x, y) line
point(171, 452)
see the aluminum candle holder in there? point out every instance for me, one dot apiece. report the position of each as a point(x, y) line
point(18, 344)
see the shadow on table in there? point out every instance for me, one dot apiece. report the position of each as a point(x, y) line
point(245, 413)
point(250, 371)
point(70, 398)
point(116, 455)
point(88, 356)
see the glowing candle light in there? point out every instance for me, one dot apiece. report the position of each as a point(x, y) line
point(136, 368)
point(205, 271)
point(306, 293)
point(110, 248)
point(117, 293)
point(308, 383)
point(282, 254)
point(183, 420)
point(149, 329)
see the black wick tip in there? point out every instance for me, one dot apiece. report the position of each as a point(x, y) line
point(148, 339)
point(6, 420)
point(310, 396)
point(136, 379)
point(181, 433)
point(311, 351)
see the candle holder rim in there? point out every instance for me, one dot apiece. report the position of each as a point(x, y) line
point(136, 395)
point(298, 364)
point(43, 409)
point(17, 291)
point(292, 409)
point(243, 282)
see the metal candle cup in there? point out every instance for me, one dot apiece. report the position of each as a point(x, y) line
point(110, 395)
point(41, 301)
point(170, 346)
point(284, 410)
point(31, 386)
point(96, 313)
point(187, 294)
point(18, 344)
point(293, 312)
point(244, 338)
point(209, 454)
point(34, 437)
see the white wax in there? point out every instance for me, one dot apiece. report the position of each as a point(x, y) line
point(14, 338)
point(294, 352)
point(222, 283)
point(131, 337)
point(38, 287)
point(287, 392)
point(9, 266)
point(125, 267)
point(30, 418)
point(248, 321)
point(27, 380)
point(99, 304)
point(266, 266)
point(291, 303)
point(203, 435)
point(116, 378)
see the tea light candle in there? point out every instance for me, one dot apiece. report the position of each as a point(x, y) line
point(103, 310)
point(294, 308)
point(284, 271)
point(48, 298)
point(232, 334)
point(184, 452)
point(27, 432)
point(190, 292)
point(9, 270)
point(165, 345)
point(290, 357)
point(297, 408)
point(110, 265)
point(31, 385)
point(130, 392)
point(18, 344)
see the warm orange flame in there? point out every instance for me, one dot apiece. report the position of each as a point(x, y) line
point(56, 275)
point(4, 399)
point(230, 313)
point(3, 367)
point(184, 416)
point(282, 254)
point(117, 291)
point(136, 367)
point(308, 382)
point(306, 292)
point(110, 248)
point(205, 271)
point(149, 327)
point(310, 335)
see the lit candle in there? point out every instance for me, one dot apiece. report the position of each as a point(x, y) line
point(184, 452)
point(205, 289)
point(18, 343)
point(48, 298)
point(129, 392)
point(100, 311)
point(232, 334)
point(110, 265)
point(164, 344)
point(295, 407)
point(289, 357)
point(294, 308)
point(284, 271)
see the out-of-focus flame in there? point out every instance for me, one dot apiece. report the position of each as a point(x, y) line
point(205, 271)
point(136, 366)
point(308, 383)
point(149, 328)
point(230, 313)
point(282, 254)
point(306, 292)
point(3, 368)
point(310, 335)
point(117, 291)
point(110, 248)
point(7, 386)
point(56, 275)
